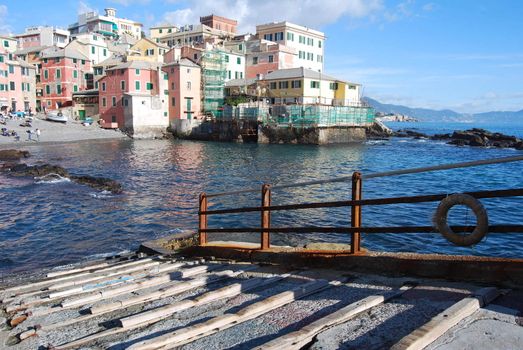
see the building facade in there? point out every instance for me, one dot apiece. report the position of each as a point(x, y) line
point(108, 25)
point(93, 46)
point(43, 36)
point(264, 57)
point(133, 97)
point(308, 43)
point(64, 71)
point(147, 50)
point(17, 83)
point(183, 90)
point(220, 23)
point(159, 31)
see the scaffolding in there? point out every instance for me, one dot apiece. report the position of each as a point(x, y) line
point(214, 73)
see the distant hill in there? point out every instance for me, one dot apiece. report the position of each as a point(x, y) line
point(446, 115)
point(423, 114)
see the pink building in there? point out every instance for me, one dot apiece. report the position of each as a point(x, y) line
point(127, 82)
point(184, 90)
point(265, 57)
point(63, 72)
point(17, 83)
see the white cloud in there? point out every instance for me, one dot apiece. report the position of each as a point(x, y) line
point(248, 13)
point(4, 27)
point(429, 7)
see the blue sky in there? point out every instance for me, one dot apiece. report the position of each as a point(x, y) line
point(465, 55)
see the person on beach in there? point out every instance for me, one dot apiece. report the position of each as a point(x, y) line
point(29, 135)
point(37, 134)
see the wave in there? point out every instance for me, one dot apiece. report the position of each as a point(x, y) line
point(101, 195)
point(51, 179)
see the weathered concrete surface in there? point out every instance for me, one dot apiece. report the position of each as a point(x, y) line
point(311, 135)
point(491, 328)
point(496, 271)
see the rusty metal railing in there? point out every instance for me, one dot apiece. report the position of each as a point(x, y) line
point(355, 204)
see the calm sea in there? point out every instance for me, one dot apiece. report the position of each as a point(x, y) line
point(46, 223)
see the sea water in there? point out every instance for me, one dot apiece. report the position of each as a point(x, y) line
point(55, 221)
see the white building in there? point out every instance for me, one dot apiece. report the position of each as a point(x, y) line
point(108, 25)
point(43, 36)
point(308, 43)
point(235, 65)
point(93, 46)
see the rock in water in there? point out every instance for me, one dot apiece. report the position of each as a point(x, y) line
point(13, 154)
point(100, 183)
point(378, 130)
point(37, 170)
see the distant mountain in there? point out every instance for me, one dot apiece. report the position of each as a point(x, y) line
point(423, 114)
point(446, 115)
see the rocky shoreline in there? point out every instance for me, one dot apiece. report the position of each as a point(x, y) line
point(10, 164)
point(474, 137)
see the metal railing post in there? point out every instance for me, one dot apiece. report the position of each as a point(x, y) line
point(266, 217)
point(356, 213)
point(202, 219)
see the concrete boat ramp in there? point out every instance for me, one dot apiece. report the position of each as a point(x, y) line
point(166, 302)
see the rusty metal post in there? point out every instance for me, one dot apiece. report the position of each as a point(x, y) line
point(356, 212)
point(266, 217)
point(202, 219)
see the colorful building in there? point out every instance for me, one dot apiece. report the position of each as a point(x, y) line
point(264, 57)
point(108, 25)
point(158, 31)
point(147, 50)
point(305, 86)
point(63, 72)
point(308, 43)
point(220, 23)
point(93, 46)
point(17, 83)
point(183, 90)
point(43, 36)
point(133, 98)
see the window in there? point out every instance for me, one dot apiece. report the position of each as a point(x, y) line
point(83, 61)
point(48, 90)
point(240, 47)
point(165, 76)
point(290, 36)
point(283, 84)
point(188, 85)
point(173, 101)
point(45, 60)
point(23, 86)
point(352, 87)
point(320, 58)
point(28, 87)
point(272, 85)
point(161, 31)
point(278, 36)
point(58, 73)
point(105, 52)
point(255, 60)
point(238, 60)
point(173, 86)
point(226, 58)
point(75, 88)
point(11, 69)
point(301, 39)
point(74, 60)
point(301, 54)
point(96, 85)
point(310, 41)
point(315, 84)
point(149, 86)
point(137, 85)
point(296, 84)
point(1, 58)
point(333, 86)
point(125, 102)
point(149, 52)
point(271, 58)
point(166, 92)
point(57, 60)
point(104, 103)
point(12, 85)
point(75, 74)
point(58, 89)
point(137, 72)
point(268, 37)
point(93, 50)
point(113, 119)
point(241, 75)
point(114, 101)
point(122, 85)
point(236, 75)
point(319, 43)
point(170, 30)
point(103, 86)
point(46, 74)
point(6, 43)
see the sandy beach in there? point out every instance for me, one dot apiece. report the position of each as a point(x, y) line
point(55, 132)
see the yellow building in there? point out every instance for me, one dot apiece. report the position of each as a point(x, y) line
point(161, 30)
point(147, 50)
point(305, 86)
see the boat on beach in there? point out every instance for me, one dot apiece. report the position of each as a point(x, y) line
point(56, 117)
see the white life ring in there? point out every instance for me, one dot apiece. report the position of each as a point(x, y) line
point(440, 219)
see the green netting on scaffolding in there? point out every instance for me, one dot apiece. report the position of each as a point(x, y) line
point(317, 115)
point(214, 73)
